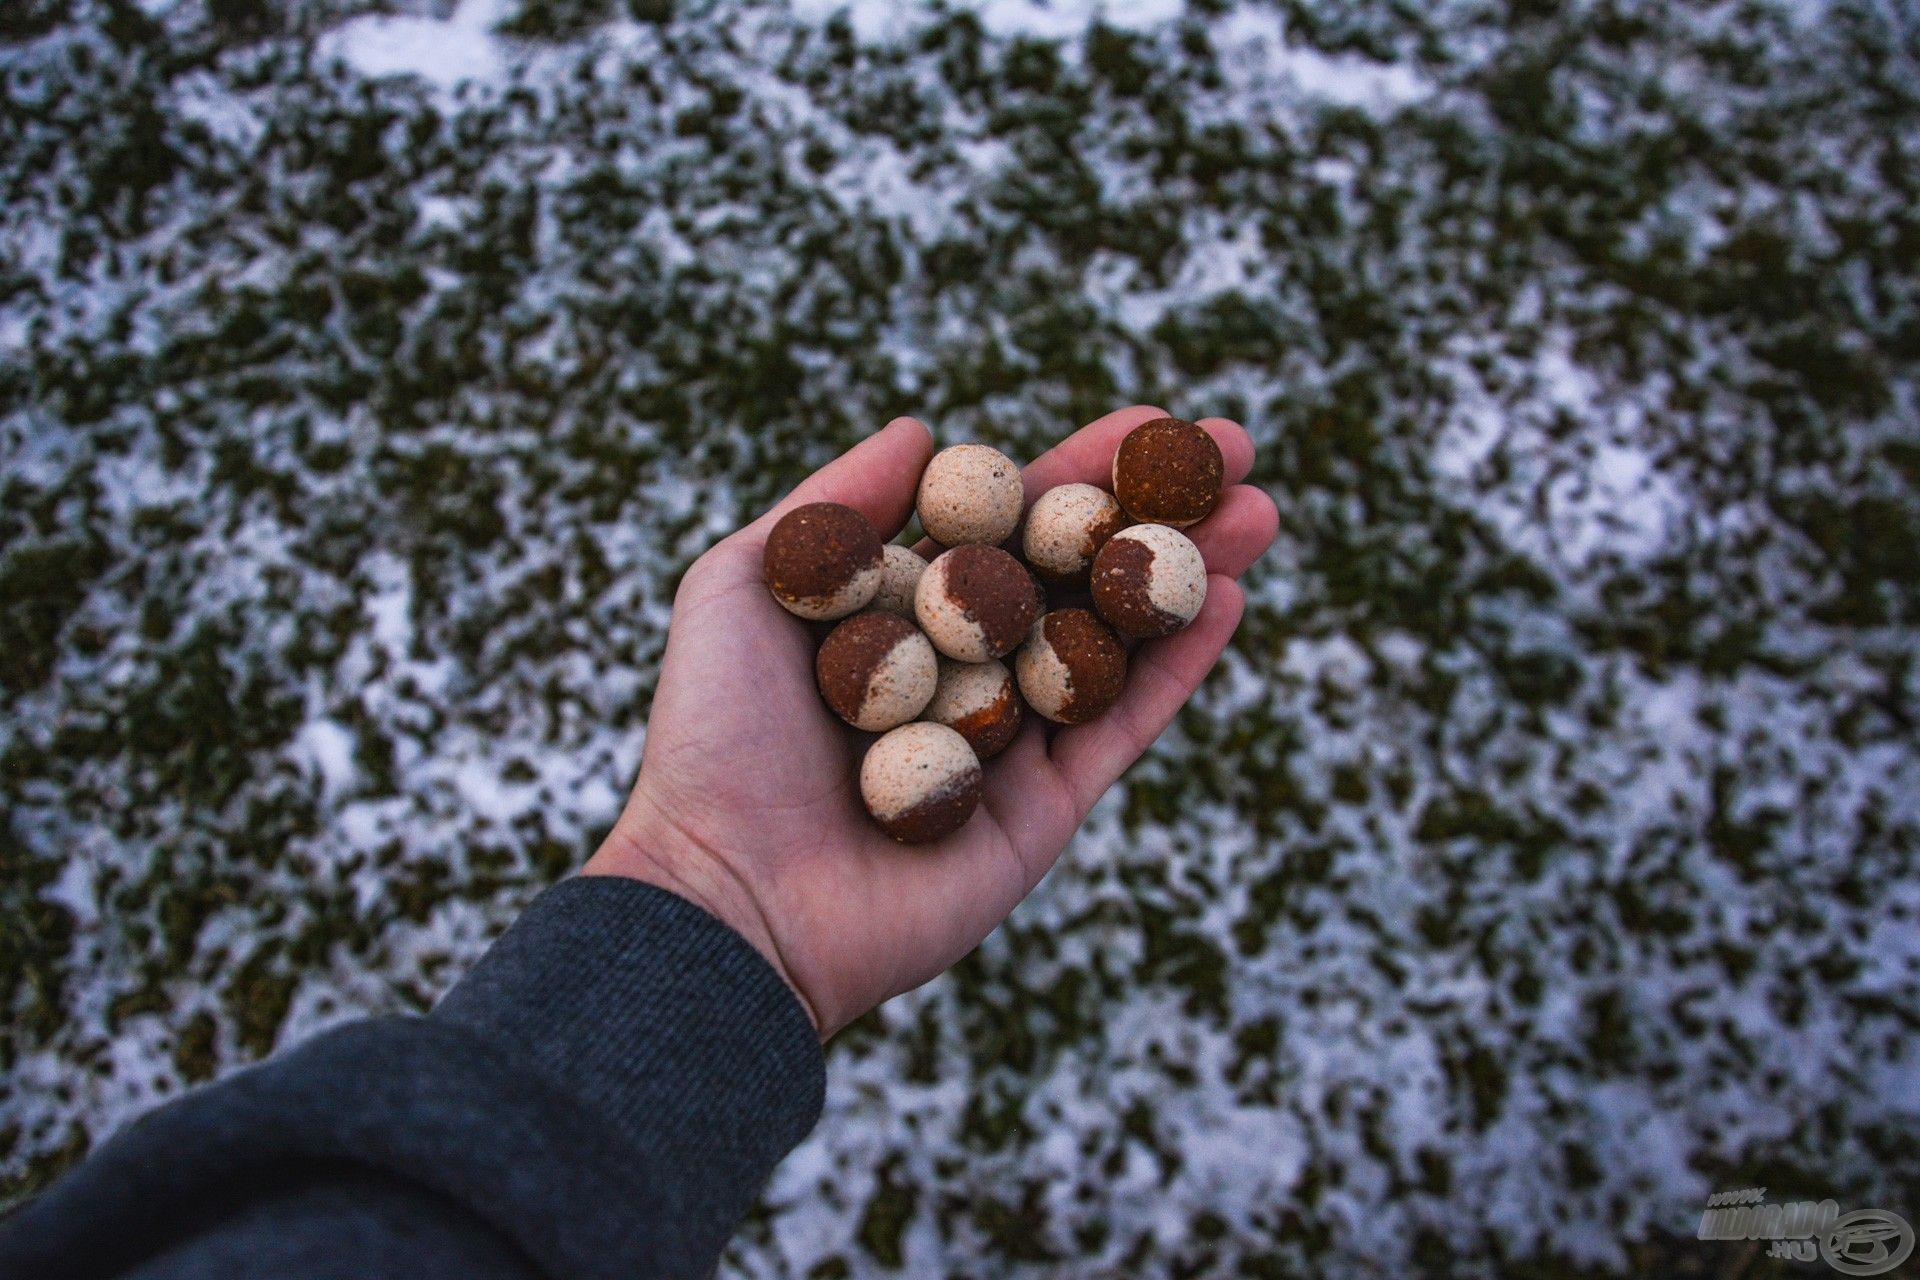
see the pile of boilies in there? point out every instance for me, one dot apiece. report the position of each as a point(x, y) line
point(918, 657)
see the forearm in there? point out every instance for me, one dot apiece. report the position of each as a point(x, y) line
point(602, 1095)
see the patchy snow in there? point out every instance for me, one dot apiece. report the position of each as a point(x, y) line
point(878, 20)
point(1546, 839)
point(1256, 50)
point(330, 746)
point(443, 51)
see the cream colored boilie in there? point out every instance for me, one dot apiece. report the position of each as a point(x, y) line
point(1149, 581)
point(979, 702)
point(900, 572)
point(920, 782)
point(1066, 528)
point(970, 495)
point(876, 671)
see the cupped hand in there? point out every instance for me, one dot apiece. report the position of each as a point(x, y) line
point(748, 802)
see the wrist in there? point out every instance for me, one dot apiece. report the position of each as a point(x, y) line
point(647, 846)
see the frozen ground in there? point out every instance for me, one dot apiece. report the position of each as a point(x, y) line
point(1542, 859)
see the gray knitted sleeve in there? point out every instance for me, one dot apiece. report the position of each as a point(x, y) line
point(602, 1096)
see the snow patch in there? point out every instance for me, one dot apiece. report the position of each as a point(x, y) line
point(329, 745)
point(445, 52)
point(876, 20)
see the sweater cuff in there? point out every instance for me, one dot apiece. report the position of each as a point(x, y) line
point(663, 1020)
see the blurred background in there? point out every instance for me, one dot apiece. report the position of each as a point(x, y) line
point(1545, 856)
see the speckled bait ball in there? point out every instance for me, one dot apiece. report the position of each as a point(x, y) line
point(920, 782)
point(823, 561)
point(1149, 581)
point(899, 576)
point(976, 603)
point(970, 495)
point(1072, 667)
point(1066, 528)
point(1168, 472)
point(876, 671)
point(977, 700)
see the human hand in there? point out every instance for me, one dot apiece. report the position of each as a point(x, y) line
point(747, 802)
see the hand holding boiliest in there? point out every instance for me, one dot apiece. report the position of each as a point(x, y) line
point(764, 798)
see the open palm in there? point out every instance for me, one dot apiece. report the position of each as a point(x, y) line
point(747, 802)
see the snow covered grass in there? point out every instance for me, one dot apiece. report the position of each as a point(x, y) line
point(1541, 859)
